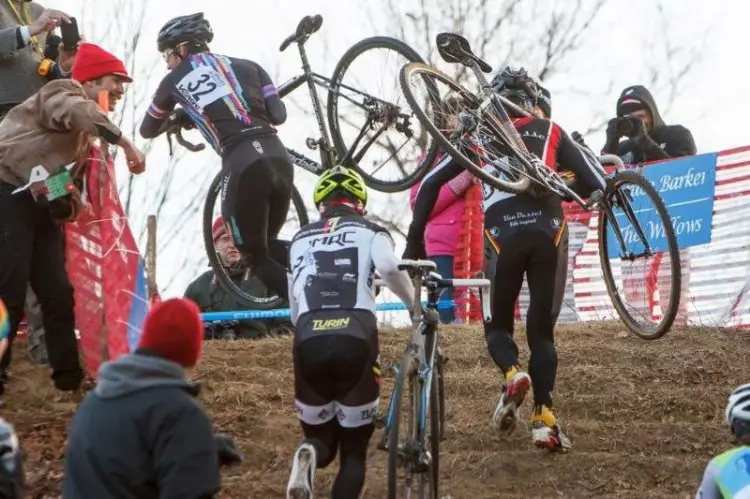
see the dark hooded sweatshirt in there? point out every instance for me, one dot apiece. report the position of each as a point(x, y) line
point(141, 434)
point(662, 141)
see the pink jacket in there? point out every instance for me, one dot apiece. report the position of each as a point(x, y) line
point(441, 236)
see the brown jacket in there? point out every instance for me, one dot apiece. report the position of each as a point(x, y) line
point(52, 128)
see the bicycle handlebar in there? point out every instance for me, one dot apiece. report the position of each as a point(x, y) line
point(174, 128)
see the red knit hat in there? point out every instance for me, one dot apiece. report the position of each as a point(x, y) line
point(174, 330)
point(92, 62)
point(219, 228)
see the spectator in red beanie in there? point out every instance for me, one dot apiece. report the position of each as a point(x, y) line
point(98, 70)
point(40, 137)
point(140, 433)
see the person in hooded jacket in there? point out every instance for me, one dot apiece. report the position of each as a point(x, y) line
point(648, 137)
point(140, 433)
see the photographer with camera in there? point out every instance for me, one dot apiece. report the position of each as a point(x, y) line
point(648, 137)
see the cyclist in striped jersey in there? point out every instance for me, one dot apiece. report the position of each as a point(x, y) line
point(235, 105)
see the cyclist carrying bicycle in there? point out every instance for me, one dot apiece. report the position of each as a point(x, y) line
point(235, 105)
point(728, 474)
point(332, 302)
point(524, 234)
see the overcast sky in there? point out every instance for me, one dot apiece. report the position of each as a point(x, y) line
point(713, 103)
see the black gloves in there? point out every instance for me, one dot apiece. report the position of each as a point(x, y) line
point(225, 449)
point(579, 139)
point(415, 249)
point(613, 137)
point(181, 117)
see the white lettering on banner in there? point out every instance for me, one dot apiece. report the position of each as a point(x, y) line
point(656, 229)
point(669, 183)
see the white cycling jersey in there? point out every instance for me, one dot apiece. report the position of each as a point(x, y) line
point(333, 263)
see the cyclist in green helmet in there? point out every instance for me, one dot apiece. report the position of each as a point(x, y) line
point(332, 301)
point(728, 474)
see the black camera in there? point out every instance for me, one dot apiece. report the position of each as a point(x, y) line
point(628, 126)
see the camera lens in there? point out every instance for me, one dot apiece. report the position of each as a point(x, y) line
point(625, 127)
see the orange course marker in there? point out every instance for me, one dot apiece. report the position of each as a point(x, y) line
point(103, 101)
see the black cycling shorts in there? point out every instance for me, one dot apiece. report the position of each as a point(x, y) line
point(336, 369)
point(255, 196)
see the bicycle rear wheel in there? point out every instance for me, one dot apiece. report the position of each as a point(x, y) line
point(474, 148)
point(241, 288)
point(394, 161)
point(629, 241)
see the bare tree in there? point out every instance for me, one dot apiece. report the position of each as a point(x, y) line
point(165, 193)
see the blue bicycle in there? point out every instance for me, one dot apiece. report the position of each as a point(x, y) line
point(415, 451)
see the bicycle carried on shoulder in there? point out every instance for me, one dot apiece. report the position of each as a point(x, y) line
point(413, 447)
point(381, 118)
point(502, 161)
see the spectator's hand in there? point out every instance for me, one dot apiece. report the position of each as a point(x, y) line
point(135, 158)
point(226, 450)
point(47, 21)
point(613, 137)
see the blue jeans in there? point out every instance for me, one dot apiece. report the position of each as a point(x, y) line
point(445, 268)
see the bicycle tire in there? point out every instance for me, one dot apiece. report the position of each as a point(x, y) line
point(441, 392)
point(227, 284)
point(414, 68)
point(436, 411)
point(394, 425)
point(339, 71)
point(670, 314)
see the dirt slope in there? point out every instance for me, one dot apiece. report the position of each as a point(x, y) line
point(644, 417)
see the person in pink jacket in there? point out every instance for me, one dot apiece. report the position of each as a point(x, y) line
point(443, 227)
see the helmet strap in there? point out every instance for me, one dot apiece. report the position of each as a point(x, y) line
point(342, 202)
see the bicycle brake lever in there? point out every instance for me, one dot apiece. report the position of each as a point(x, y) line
point(169, 141)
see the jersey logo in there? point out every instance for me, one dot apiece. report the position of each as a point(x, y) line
point(203, 86)
point(328, 324)
point(340, 239)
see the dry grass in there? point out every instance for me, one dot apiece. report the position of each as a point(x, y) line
point(644, 417)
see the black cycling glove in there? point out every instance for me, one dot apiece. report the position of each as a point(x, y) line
point(226, 450)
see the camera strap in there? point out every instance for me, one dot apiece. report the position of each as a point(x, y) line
point(25, 19)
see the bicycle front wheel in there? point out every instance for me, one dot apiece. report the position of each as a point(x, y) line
point(436, 100)
point(639, 255)
point(246, 288)
point(366, 113)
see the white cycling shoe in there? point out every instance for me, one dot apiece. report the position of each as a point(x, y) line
point(302, 479)
point(514, 393)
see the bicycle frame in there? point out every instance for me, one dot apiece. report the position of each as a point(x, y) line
point(328, 154)
point(490, 98)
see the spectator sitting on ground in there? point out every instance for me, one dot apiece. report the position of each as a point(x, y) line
point(208, 294)
point(140, 432)
point(649, 139)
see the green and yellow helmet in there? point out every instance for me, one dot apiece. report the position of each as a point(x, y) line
point(342, 180)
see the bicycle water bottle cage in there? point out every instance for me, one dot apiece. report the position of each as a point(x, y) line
point(456, 49)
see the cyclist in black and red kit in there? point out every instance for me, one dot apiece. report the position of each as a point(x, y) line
point(235, 105)
point(524, 234)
